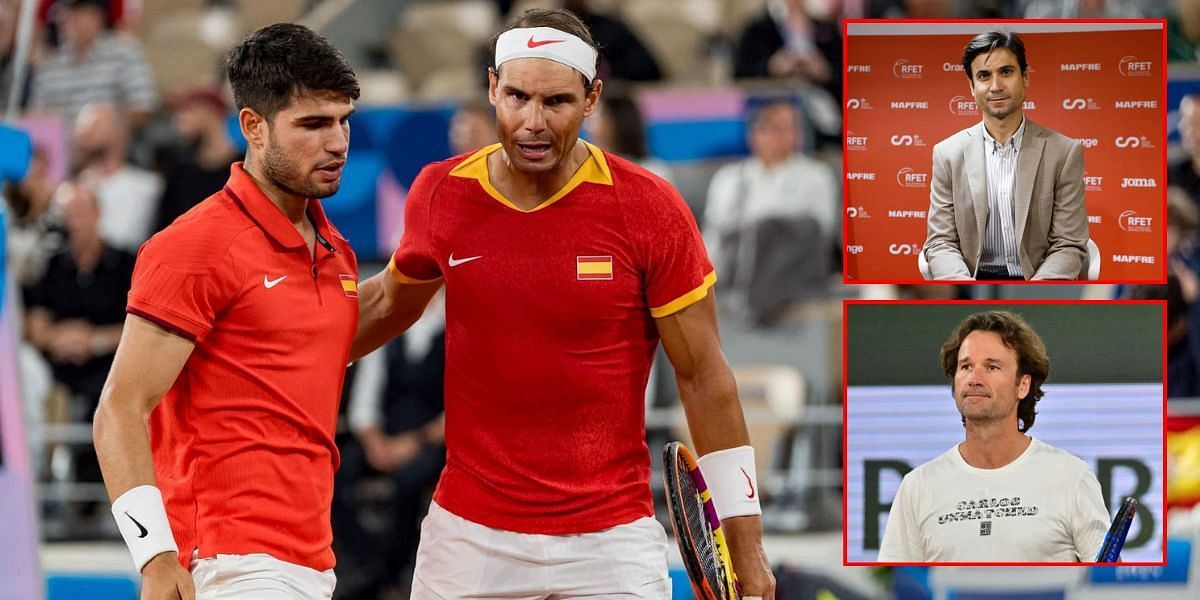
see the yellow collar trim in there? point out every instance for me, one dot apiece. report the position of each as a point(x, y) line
point(593, 170)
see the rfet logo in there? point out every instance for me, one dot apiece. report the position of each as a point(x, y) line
point(907, 140)
point(906, 69)
point(857, 212)
point(1093, 183)
point(963, 106)
point(1080, 104)
point(910, 178)
point(1130, 221)
point(904, 249)
point(858, 104)
point(1130, 66)
point(1133, 141)
point(855, 142)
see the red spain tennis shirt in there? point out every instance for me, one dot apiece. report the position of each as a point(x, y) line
point(550, 333)
point(243, 441)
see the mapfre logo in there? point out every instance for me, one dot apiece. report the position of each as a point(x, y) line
point(1068, 67)
point(1095, 220)
point(906, 69)
point(1080, 104)
point(963, 106)
point(858, 69)
point(1132, 141)
point(1130, 221)
point(1139, 182)
point(907, 140)
point(911, 178)
point(1088, 142)
point(904, 249)
point(1131, 66)
point(1093, 184)
point(858, 104)
point(906, 214)
point(855, 142)
point(1133, 258)
point(857, 212)
point(910, 105)
point(860, 176)
point(1127, 104)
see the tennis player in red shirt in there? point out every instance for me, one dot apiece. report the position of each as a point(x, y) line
point(215, 427)
point(564, 266)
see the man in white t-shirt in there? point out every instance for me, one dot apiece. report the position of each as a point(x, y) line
point(1000, 495)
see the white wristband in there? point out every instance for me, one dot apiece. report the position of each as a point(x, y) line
point(142, 519)
point(732, 480)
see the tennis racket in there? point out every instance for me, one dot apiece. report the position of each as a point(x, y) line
point(1114, 540)
point(697, 529)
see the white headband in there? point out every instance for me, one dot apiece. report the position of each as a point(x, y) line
point(549, 43)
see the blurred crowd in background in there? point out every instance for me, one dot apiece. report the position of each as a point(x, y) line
point(134, 129)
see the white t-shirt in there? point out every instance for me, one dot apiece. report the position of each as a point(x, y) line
point(1045, 506)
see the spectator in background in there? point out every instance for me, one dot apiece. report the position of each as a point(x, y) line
point(1186, 172)
point(1082, 9)
point(199, 164)
point(9, 14)
point(1181, 293)
point(93, 66)
point(395, 415)
point(748, 201)
point(618, 128)
point(911, 9)
point(28, 236)
point(472, 127)
point(623, 56)
point(1183, 30)
point(128, 194)
point(75, 311)
point(787, 42)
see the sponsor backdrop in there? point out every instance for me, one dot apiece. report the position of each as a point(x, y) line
point(1099, 406)
point(1101, 84)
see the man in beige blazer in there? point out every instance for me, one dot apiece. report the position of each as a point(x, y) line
point(1006, 200)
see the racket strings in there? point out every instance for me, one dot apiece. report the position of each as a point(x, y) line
point(697, 523)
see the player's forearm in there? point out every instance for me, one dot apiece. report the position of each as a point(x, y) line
point(713, 411)
point(387, 310)
point(122, 438)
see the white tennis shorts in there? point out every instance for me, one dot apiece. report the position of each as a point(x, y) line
point(258, 576)
point(458, 558)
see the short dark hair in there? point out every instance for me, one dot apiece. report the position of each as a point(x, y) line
point(989, 41)
point(554, 18)
point(281, 61)
point(1032, 359)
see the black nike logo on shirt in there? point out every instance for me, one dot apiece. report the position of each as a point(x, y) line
point(143, 531)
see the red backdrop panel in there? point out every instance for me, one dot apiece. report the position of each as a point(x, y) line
point(905, 93)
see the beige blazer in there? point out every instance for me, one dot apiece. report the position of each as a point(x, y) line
point(1051, 218)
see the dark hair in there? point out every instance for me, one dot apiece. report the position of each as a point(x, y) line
point(554, 18)
point(281, 61)
point(1018, 335)
point(628, 127)
point(989, 41)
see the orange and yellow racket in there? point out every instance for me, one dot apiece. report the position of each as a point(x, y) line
point(697, 528)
